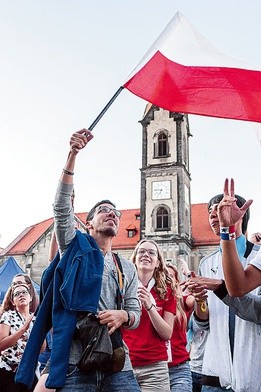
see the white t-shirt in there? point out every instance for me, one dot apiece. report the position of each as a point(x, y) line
point(256, 261)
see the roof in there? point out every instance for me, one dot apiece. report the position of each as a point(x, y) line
point(147, 108)
point(130, 220)
point(27, 238)
point(201, 231)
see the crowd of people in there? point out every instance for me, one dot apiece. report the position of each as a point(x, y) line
point(197, 331)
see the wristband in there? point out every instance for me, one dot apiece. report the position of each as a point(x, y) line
point(128, 322)
point(227, 233)
point(150, 307)
point(68, 172)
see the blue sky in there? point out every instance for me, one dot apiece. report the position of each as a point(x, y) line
point(61, 61)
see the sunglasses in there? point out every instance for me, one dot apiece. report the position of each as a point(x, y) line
point(18, 293)
point(107, 210)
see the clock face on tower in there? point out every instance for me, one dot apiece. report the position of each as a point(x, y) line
point(160, 190)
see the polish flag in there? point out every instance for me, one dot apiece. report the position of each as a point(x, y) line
point(183, 72)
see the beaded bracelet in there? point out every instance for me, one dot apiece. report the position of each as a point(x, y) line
point(227, 233)
point(68, 172)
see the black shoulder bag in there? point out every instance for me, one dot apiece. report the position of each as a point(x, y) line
point(102, 351)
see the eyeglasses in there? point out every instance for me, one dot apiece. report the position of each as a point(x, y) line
point(106, 210)
point(150, 252)
point(18, 293)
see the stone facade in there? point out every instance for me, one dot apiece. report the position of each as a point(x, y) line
point(165, 163)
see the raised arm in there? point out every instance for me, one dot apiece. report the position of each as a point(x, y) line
point(238, 280)
point(63, 208)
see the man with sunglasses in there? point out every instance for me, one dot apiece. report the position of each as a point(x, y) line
point(86, 280)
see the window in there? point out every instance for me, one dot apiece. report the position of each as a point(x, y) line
point(131, 233)
point(162, 219)
point(184, 149)
point(161, 145)
point(187, 222)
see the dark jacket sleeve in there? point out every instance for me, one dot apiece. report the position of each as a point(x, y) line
point(247, 307)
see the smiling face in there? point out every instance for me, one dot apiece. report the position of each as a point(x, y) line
point(146, 258)
point(105, 221)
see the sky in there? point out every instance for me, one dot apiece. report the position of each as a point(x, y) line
point(62, 60)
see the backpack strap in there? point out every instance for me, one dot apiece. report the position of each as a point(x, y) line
point(120, 273)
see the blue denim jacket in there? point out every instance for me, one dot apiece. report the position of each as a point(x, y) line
point(69, 285)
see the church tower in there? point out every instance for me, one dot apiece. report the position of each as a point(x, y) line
point(165, 181)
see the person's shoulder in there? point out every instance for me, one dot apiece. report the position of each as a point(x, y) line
point(119, 256)
point(209, 257)
point(255, 260)
point(252, 251)
point(170, 295)
point(8, 315)
point(126, 263)
point(10, 312)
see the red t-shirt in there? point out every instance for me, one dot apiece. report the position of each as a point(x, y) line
point(144, 343)
point(178, 340)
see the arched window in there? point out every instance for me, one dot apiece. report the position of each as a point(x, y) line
point(184, 149)
point(187, 222)
point(162, 219)
point(161, 145)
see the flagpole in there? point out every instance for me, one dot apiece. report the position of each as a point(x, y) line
point(106, 107)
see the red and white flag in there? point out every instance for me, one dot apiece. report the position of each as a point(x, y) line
point(183, 72)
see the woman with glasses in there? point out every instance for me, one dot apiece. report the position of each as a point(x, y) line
point(20, 279)
point(147, 343)
point(15, 326)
